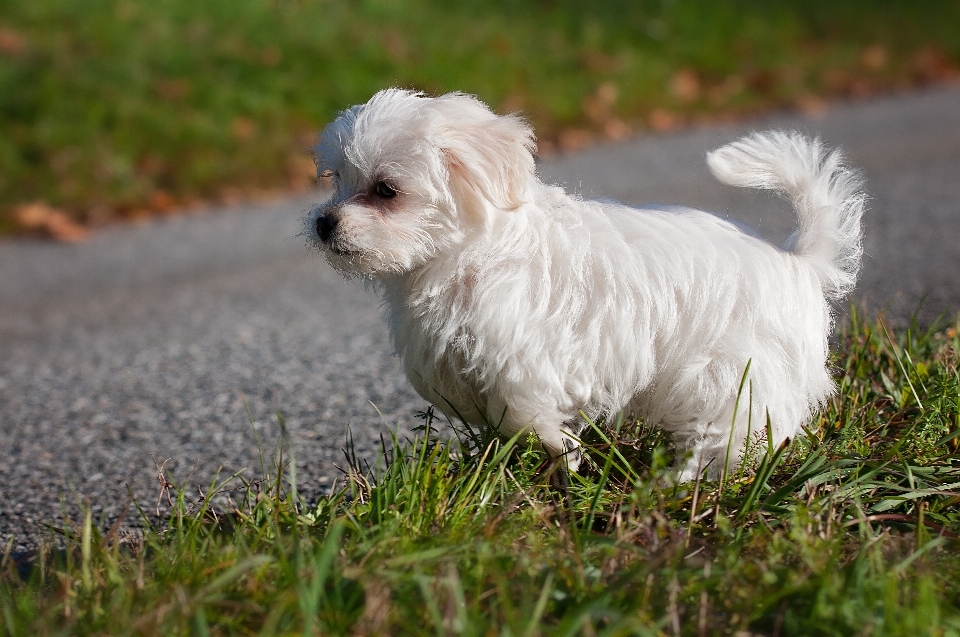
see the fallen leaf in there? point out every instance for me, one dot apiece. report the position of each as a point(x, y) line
point(811, 104)
point(616, 130)
point(11, 42)
point(243, 128)
point(663, 120)
point(598, 105)
point(874, 57)
point(48, 221)
point(162, 201)
point(685, 85)
point(574, 139)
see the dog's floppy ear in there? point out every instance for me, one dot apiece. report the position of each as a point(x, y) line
point(488, 155)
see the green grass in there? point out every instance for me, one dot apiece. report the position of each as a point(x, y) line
point(118, 107)
point(850, 530)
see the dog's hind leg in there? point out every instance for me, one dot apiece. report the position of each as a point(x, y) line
point(715, 445)
point(562, 443)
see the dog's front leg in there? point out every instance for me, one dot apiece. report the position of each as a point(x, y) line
point(555, 429)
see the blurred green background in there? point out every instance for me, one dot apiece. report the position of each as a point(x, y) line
point(120, 108)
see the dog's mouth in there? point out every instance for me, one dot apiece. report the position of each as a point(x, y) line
point(346, 259)
point(349, 262)
point(346, 253)
point(335, 247)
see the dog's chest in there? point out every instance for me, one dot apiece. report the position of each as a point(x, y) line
point(439, 348)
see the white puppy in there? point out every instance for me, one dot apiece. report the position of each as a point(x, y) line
point(515, 304)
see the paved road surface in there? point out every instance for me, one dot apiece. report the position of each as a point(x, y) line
point(138, 343)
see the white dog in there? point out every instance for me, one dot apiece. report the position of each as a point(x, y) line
point(515, 304)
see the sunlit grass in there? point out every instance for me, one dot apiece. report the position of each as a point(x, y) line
point(120, 107)
point(850, 530)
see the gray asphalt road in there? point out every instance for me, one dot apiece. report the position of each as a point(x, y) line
point(140, 343)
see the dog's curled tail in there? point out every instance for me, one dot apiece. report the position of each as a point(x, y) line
point(826, 194)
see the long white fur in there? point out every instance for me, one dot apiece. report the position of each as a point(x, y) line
point(517, 305)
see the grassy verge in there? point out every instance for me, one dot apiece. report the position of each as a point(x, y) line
point(851, 530)
point(125, 107)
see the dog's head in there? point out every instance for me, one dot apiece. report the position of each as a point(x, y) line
point(413, 176)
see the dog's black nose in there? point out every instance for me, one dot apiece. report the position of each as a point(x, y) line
point(326, 224)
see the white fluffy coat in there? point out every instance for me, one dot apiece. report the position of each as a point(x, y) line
point(517, 305)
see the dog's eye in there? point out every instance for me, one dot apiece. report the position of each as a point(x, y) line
point(384, 190)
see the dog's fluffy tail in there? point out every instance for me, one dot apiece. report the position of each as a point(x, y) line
point(826, 194)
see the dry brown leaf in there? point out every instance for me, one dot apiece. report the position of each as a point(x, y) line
point(162, 201)
point(811, 104)
point(574, 139)
point(616, 130)
point(41, 218)
point(598, 105)
point(663, 120)
point(685, 85)
point(243, 128)
point(11, 42)
point(874, 57)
